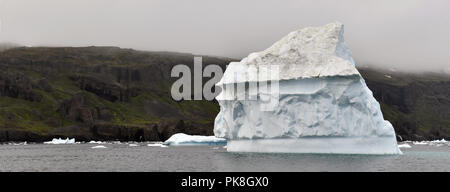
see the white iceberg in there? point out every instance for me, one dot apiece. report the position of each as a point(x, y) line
point(420, 143)
point(156, 145)
point(183, 139)
point(99, 147)
point(442, 141)
point(96, 142)
point(133, 145)
point(405, 145)
point(61, 141)
point(323, 104)
point(436, 143)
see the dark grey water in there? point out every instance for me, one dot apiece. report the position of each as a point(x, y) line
point(122, 157)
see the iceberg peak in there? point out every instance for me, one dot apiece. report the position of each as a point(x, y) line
point(305, 53)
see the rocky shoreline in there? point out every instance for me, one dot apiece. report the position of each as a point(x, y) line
point(108, 132)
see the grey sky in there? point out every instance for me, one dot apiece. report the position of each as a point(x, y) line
point(405, 34)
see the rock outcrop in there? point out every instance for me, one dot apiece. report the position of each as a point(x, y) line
point(18, 86)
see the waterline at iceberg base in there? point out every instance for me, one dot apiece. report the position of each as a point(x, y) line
point(338, 145)
point(324, 104)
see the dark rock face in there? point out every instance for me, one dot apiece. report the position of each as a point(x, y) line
point(105, 131)
point(18, 86)
point(20, 135)
point(106, 90)
point(76, 109)
point(104, 113)
point(43, 84)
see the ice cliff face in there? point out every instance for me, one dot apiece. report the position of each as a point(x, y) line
point(323, 104)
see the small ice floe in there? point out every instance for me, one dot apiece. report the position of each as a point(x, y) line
point(24, 143)
point(61, 141)
point(439, 143)
point(225, 147)
point(442, 141)
point(405, 145)
point(183, 139)
point(133, 145)
point(388, 76)
point(96, 142)
point(156, 145)
point(99, 147)
point(436, 143)
point(420, 143)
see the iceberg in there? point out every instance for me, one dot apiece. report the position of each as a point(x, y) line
point(436, 143)
point(61, 141)
point(420, 143)
point(99, 147)
point(156, 145)
point(405, 145)
point(184, 139)
point(96, 142)
point(301, 95)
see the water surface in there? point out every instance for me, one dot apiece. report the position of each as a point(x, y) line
point(122, 157)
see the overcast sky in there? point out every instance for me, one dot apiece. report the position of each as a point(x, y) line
point(402, 34)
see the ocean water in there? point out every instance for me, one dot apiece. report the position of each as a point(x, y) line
point(123, 157)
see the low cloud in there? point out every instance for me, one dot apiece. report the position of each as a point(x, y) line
point(408, 35)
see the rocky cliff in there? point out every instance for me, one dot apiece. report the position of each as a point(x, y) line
point(96, 93)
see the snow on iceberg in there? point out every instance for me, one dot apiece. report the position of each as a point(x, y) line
point(323, 104)
point(183, 139)
point(61, 141)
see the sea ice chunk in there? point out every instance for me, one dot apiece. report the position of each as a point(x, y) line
point(323, 103)
point(156, 145)
point(183, 139)
point(61, 141)
point(99, 147)
point(405, 145)
point(96, 142)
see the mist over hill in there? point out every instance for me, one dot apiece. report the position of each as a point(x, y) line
point(6, 46)
point(109, 93)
